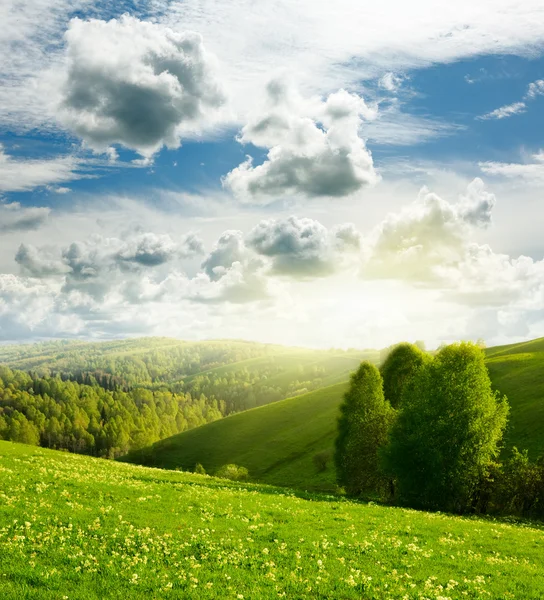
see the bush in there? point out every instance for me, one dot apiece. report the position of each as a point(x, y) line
point(321, 460)
point(518, 488)
point(232, 472)
point(200, 469)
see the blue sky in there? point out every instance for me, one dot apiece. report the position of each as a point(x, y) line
point(396, 169)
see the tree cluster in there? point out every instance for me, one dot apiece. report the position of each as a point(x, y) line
point(425, 431)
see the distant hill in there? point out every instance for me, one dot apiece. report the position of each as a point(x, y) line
point(278, 442)
point(237, 374)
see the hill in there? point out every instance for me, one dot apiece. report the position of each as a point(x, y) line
point(87, 529)
point(237, 373)
point(278, 442)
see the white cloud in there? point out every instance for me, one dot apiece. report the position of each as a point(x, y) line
point(531, 171)
point(314, 147)
point(20, 174)
point(536, 88)
point(137, 84)
point(393, 126)
point(14, 217)
point(391, 82)
point(505, 111)
point(421, 240)
point(303, 247)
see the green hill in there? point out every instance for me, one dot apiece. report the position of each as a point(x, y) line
point(80, 528)
point(277, 443)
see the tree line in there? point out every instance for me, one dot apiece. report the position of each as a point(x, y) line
point(425, 431)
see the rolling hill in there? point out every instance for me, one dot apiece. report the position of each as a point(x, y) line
point(277, 443)
point(87, 529)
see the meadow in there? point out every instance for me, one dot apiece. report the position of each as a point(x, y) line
point(74, 528)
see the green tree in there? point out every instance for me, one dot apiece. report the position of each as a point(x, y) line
point(398, 368)
point(448, 431)
point(365, 419)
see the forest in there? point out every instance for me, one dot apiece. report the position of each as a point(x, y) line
point(109, 398)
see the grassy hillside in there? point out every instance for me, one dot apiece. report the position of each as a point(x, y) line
point(77, 528)
point(277, 443)
point(518, 372)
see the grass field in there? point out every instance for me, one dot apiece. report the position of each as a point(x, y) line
point(277, 442)
point(77, 528)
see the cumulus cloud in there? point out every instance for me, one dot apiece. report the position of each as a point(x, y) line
point(150, 249)
point(314, 147)
point(428, 245)
point(303, 247)
point(39, 263)
point(136, 83)
point(15, 217)
point(347, 237)
point(237, 274)
point(428, 235)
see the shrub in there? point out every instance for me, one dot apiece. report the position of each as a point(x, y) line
point(232, 472)
point(200, 469)
point(321, 460)
point(518, 488)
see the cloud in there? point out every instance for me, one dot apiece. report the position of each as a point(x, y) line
point(15, 217)
point(347, 237)
point(505, 111)
point(150, 249)
point(136, 83)
point(417, 243)
point(391, 82)
point(536, 88)
point(302, 247)
point(314, 148)
point(531, 171)
point(231, 272)
point(476, 205)
point(18, 174)
point(39, 263)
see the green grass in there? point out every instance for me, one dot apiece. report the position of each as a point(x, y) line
point(277, 442)
point(77, 528)
point(518, 372)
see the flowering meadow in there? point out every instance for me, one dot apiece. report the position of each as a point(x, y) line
point(73, 527)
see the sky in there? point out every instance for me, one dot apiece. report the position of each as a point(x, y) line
point(317, 174)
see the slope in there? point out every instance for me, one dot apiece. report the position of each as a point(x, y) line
point(278, 442)
point(87, 529)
